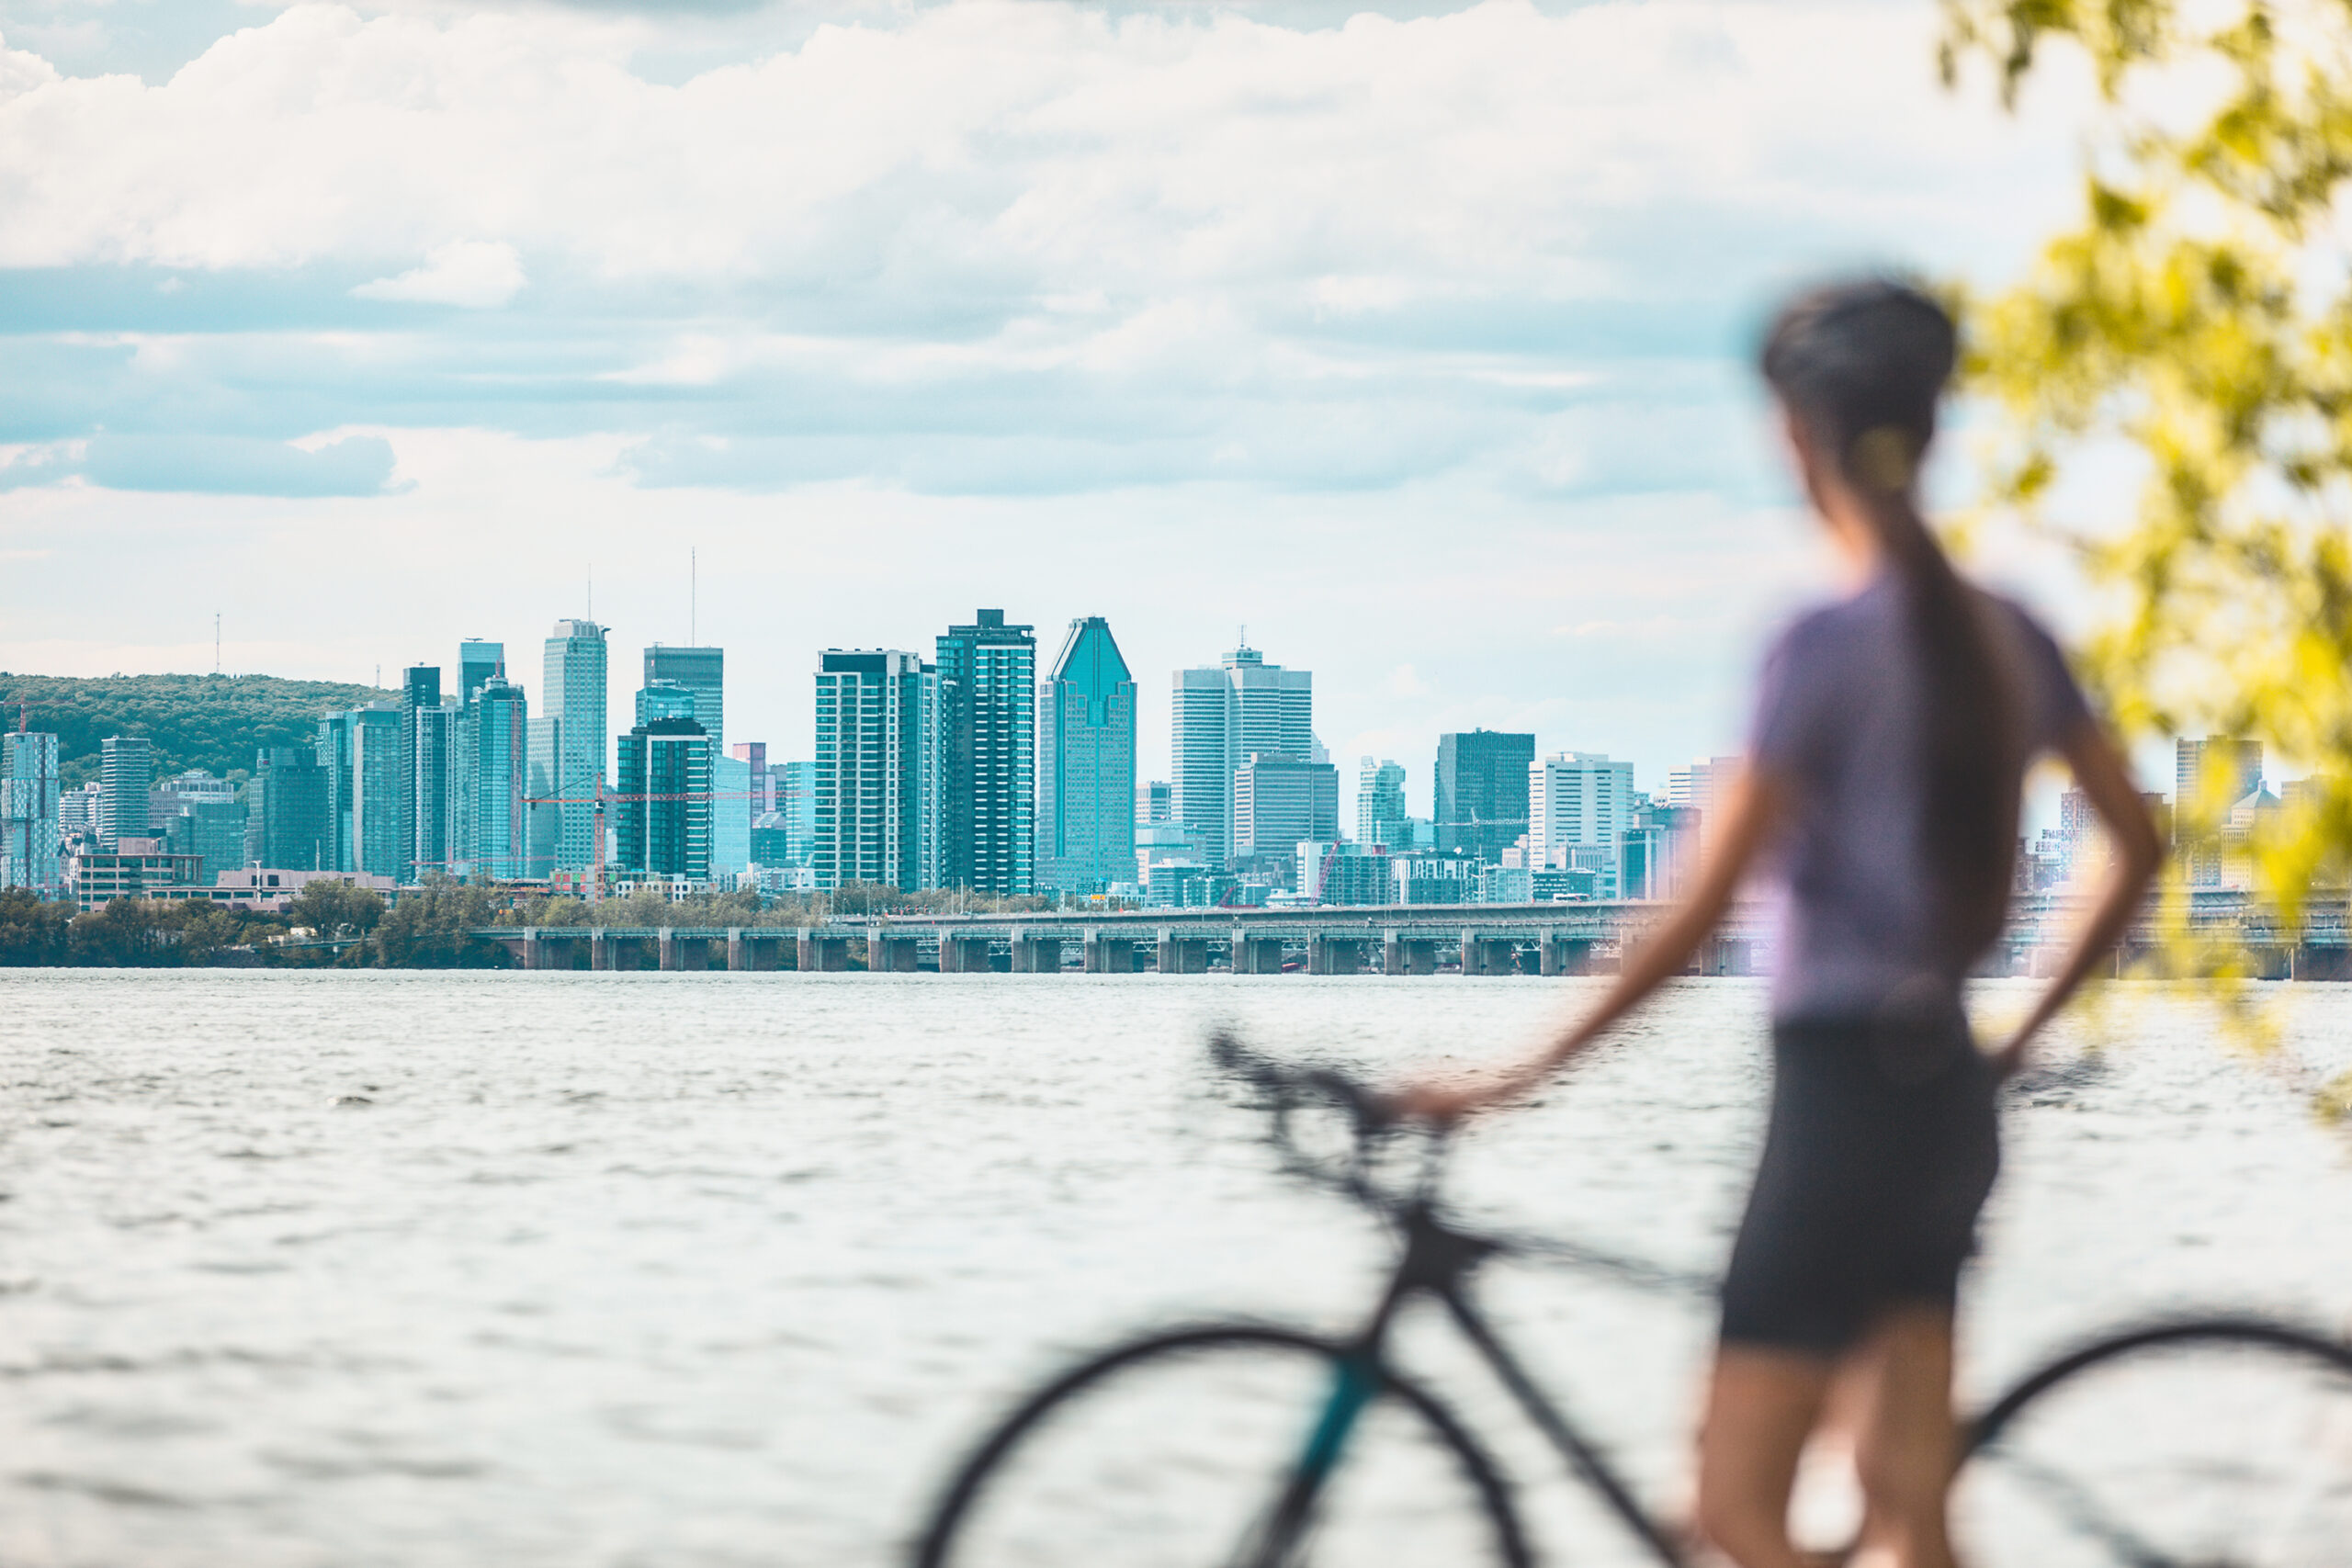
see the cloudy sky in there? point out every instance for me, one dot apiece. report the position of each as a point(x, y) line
point(1413, 339)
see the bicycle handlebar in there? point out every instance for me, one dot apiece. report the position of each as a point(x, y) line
point(1371, 1116)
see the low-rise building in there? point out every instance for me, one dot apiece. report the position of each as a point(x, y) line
point(1438, 878)
point(1332, 873)
point(1523, 884)
point(135, 868)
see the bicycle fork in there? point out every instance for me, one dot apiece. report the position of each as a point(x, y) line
point(1273, 1540)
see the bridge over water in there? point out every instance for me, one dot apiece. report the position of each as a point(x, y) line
point(1473, 939)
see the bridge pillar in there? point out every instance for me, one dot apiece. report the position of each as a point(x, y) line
point(1256, 954)
point(665, 943)
point(532, 957)
point(888, 955)
point(1036, 953)
point(821, 953)
point(2322, 964)
point(1729, 955)
point(1181, 955)
point(1401, 954)
point(1486, 955)
point(1557, 954)
point(600, 949)
point(749, 948)
point(960, 955)
point(1112, 954)
point(1334, 954)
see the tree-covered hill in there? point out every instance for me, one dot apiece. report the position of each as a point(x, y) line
point(214, 722)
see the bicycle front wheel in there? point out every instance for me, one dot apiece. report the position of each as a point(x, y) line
point(2218, 1443)
point(1226, 1446)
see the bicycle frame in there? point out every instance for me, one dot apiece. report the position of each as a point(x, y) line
point(1437, 1261)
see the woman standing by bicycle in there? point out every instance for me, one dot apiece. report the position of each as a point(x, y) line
point(1885, 765)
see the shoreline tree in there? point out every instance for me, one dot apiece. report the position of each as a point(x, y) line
point(2193, 330)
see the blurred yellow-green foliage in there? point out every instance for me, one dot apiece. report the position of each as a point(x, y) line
point(2189, 341)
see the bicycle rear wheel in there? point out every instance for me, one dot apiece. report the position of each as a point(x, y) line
point(2220, 1443)
point(1179, 1451)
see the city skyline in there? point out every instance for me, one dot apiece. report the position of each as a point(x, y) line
point(242, 381)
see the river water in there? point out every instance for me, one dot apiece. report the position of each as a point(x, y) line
point(704, 1269)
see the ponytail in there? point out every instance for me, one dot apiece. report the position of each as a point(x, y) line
point(1861, 368)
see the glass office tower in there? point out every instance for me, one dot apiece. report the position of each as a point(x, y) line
point(30, 835)
point(1221, 718)
point(703, 671)
point(498, 725)
point(567, 762)
point(1482, 791)
point(1086, 764)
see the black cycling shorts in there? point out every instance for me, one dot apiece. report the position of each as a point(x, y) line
point(1881, 1148)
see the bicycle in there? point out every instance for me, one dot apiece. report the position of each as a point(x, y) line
point(1272, 1447)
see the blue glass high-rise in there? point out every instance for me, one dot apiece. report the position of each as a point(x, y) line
point(1086, 764)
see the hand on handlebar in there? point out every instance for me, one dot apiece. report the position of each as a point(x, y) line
point(1442, 1101)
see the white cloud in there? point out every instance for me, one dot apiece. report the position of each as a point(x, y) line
point(1045, 148)
point(1404, 342)
point(478, 273)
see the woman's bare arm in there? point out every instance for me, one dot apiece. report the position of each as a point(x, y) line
point(2100, 769)
point(1753, 810)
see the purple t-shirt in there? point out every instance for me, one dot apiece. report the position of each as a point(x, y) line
point(1838, 725)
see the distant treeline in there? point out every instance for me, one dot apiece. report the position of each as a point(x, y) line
point(427, 928)
point(748, 909)
point(213, 722)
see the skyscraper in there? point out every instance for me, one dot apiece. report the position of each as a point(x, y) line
point(477, 663)
point(669, 835)
point(1221, 718)
point(2235, 766)
point(428, 730)
point(568, 743)
point(796, 802)
point(760, 796)
point(1086, 764)
point(1580, 803)
point(29, 834)
point(195, 814)
point(126, 772)
point(499, 742)
point(1279, 803)
point(360, 748)
point(877, 769)
point(1482, 780)
point(663, 815)
point(703, 671)
point(730, 829)
point(1155, 802)
point(664, 698)
point(290, 828)
point(1380, 805)
point(2210, 777)
point(988, 756)
point(1702, 787)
